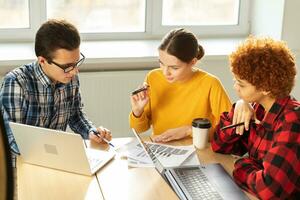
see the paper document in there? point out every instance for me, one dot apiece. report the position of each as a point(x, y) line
point(169, 156)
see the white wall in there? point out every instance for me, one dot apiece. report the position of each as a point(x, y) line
point(266, 17)
point(291, 28)
point(291, 34)
point(106, 98)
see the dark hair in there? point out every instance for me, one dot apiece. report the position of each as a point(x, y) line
point(267, 64)
point(182, 44)
point(54, 35)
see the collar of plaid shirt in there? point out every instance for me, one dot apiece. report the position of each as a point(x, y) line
point(274, 112)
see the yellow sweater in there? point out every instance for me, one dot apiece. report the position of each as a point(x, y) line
point(173, 105)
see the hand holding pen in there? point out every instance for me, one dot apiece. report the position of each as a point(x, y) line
point(243, 115)
point(236, 125)
point(139, 99)
point(101, 134)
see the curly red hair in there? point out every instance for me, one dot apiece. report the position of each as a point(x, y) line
point(267, 64)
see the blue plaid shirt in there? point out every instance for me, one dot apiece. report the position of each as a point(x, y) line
point(28, 96)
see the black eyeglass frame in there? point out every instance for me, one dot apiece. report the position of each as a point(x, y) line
point(70, 66)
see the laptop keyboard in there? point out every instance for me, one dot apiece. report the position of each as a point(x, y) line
point(197, 184)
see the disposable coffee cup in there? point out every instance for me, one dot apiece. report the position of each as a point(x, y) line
point(200, 130)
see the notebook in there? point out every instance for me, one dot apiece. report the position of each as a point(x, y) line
point(197, 182)
point(57, 149)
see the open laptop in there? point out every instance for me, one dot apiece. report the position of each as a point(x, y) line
point(197, 182)
point(58, 149)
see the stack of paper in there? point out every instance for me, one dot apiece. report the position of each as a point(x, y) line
point(169, 156)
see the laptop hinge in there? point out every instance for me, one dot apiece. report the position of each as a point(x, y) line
point(175, 185)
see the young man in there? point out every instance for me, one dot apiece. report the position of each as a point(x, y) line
point(264, 72)
point(46, 92)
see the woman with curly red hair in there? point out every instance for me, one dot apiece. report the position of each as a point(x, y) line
point(264, 72)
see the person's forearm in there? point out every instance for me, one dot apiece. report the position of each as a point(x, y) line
point(80, 124)
point(227, 141)
point(140, 124)
point(137, 113)
point(227, 144)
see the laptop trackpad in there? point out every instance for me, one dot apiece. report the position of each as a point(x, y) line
point(224, 183)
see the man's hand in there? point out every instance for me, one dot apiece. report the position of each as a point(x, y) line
point(174, 134)
point(102, 133)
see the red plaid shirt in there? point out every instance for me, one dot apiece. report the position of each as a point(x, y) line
point(272, 169)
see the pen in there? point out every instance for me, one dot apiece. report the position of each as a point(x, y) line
point(231, 126)
point(239, 124)
point(140, 90)
point(104, 139)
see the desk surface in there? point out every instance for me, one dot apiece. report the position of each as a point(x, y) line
point(36, 182)
point(118, 181)
point(114, 181)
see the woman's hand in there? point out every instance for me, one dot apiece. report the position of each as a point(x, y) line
point(243, 112)
point(174, 134)
point(139, 101)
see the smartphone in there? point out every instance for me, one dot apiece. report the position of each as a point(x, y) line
point(139, 90)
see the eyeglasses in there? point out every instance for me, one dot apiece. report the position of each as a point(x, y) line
point(70, 66)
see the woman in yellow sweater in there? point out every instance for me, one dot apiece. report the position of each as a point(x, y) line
point(177, 92)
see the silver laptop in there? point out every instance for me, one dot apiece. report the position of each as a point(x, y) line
point(58, 149)
point(197, 182)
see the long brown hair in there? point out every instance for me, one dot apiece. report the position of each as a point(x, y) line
point(182, 44)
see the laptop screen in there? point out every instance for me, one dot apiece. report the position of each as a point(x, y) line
point(155, 160)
